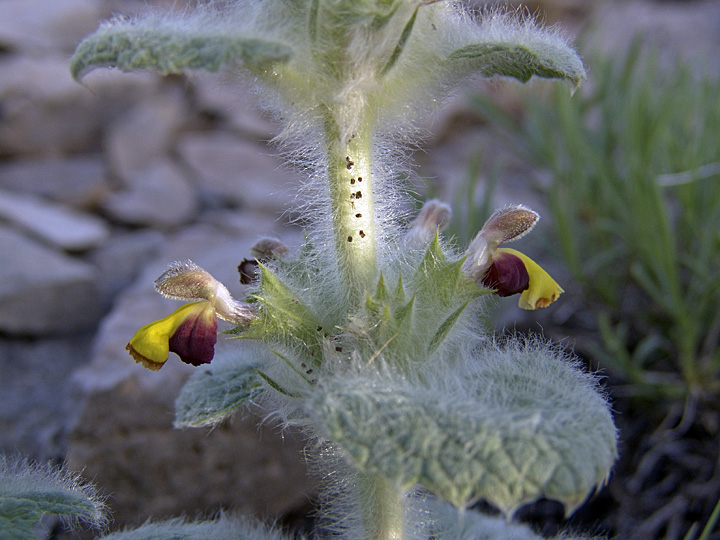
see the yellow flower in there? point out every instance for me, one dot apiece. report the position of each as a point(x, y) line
point(542, 290)
point(508, 271)
point(191, 330)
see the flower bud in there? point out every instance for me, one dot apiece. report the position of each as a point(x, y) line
point(434, 216)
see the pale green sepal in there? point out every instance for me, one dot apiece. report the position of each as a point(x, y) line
point(282, 316)
point(522, 61)
point(169, 49)
point(517, 423)
point(407, 30)
point(28, 491)
point(215, 391)
point(274, 385)
point(222, 528)
point(291, 365)
point(313, 19)
point(399, 291)
point(381, 291)
point(445, 328)
point(440, 283)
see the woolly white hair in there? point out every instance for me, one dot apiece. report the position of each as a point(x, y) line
point(47, 488)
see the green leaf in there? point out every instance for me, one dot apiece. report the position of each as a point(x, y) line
point(215, 391)
point(167, 48)
point(516, 424)
point(28, 491)
point(522, 61)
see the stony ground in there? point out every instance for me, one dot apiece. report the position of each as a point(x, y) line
point(101, 186)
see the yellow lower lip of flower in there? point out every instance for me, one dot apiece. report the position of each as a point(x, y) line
point(542, 289)
point(150, 346)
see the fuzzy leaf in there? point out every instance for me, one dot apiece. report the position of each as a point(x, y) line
point(167, 48)
point(512, 426)
point(28, 491)
point(222, 528)
point(477, 526)
point(215, 391)
point(513, 46)
point(522, 62)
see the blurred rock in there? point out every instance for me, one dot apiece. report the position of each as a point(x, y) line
point(46, 113)
point(144, 134)
point(35, 402)
point(689, 31)
point(43, 292)
point(63, 227)
point(222, 96)
point(77, 181)
point(158, 196)
point(238, 172)
point(39, 25)
point(121, 258)
point(124, 438)
point(42, 107)
point(248, 222)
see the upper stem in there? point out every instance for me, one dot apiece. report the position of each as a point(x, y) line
point(351, 197)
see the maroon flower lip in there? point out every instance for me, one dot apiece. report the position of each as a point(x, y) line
point(194, 340)
point(507, 274)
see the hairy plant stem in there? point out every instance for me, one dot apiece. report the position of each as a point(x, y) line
point(351, 197)
point(382, 507)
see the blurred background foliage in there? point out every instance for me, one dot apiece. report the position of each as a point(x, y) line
point(629, 172)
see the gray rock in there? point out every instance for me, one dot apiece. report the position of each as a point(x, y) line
point(119, 260)
point(75, 181)
point(35, 402)
point(158, 196)
point(238, 172)
point(40, 102)
point(39, 25)
point(247, 222)
point(43, 292)
point(689, 31)
point(46, 113)
point(144, 134)
point(222, 95)
point(124, 437)
point(65, 228)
